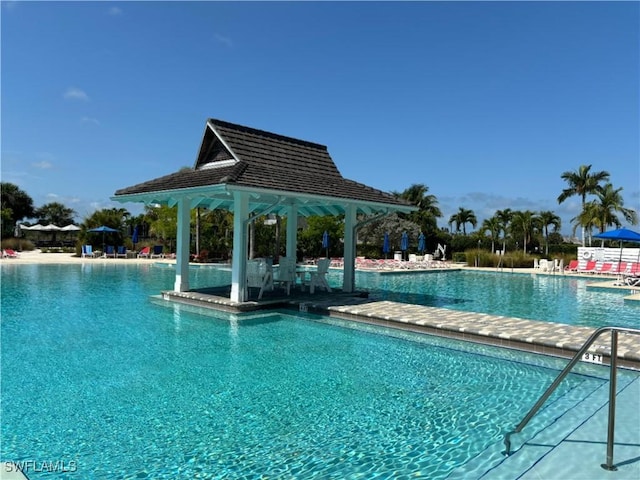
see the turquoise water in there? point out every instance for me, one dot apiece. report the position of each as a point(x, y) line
point(98, 377)
point(558, 298)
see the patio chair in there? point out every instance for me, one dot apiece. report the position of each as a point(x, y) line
point(87, 251)
point(122, 252)
point(157, 252)
point(319, 277)
point(109, 251)
point(286, 273)
point(259, 275)
point(145, 252)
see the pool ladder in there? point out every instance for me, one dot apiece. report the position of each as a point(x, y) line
point(613, 367)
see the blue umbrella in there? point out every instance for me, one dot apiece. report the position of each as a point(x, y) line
point(134, 237)
point(620, 234)
point(421, 243)
point(386, 248)
point(404, 241)
point(104, 229)
point(325, 242)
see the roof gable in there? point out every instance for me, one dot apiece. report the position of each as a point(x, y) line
point(271, 166)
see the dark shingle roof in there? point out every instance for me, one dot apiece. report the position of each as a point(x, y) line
point(244, 156)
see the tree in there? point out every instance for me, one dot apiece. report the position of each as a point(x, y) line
point(55, 213)
point(547, 218)
point(463, 217)
point(504, 217)
point(608, 204)
point(582, 183)
point(15, 205)
point(525, 223)
point(493, 226)
point(428, 210)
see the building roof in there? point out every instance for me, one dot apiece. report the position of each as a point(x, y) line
point(277, 170)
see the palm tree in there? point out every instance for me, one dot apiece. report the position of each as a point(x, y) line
point(524, 222)
point(608, 204)
point(504, 216)
point(582, 183)
point(493, 226)
point(547, 218)
point(428, 210)
point(463, 217)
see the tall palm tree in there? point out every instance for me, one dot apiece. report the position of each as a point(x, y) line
point(547, 218)
point(428, 210)
point(462, 217)
point(525, 222)
point(504, 216)
point(493, 226)
point(582, 183)
point(609, 203)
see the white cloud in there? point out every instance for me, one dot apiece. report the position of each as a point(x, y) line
point(74, 93)
point(93, 121)
point(43, 165)
point(115, 11)
point(224, 40)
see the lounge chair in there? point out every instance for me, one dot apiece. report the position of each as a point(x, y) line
point(109, 251)
point(620, 267)
point(122, 252)
point(9, 253)
point(319, 277)
point(145, 252)
point(87, 251)
point(157, 252)
point(634, 269)
point(590, 267)
point(604, 268)
point(572, 267)
point(286, 273)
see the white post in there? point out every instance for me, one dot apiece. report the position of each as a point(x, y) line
point(240, 245)
point(182, 246)
point(292, 231)
point(348, 279)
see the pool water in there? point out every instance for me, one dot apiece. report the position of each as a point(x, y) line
point(98, 376)
point(551, 298)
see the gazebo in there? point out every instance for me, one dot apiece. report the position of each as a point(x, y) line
point(252, 172)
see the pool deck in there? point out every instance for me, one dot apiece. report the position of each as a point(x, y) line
point(529, 335)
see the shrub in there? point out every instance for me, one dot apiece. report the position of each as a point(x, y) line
point(18, 244)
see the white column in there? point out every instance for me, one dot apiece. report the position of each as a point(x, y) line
point(182, 246)
point(348, 278)
point(292, 231)
point(240, 245)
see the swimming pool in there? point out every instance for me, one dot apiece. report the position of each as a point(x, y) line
point(96, 374)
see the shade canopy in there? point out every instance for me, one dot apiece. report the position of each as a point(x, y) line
point(70, 228)
point(51, 228)
point(620, 234)
point(103, 229)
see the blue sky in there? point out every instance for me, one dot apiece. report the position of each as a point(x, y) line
point(486, 103)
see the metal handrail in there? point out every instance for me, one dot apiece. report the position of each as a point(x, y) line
point(612, 389)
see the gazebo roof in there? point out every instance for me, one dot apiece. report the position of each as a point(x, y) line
point(275, 170)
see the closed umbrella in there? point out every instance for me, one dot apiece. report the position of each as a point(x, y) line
point(104, 229)
point(386, 248)
point(325, 242)
point(421, 242)
point(134, 236)
point(404, 243)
